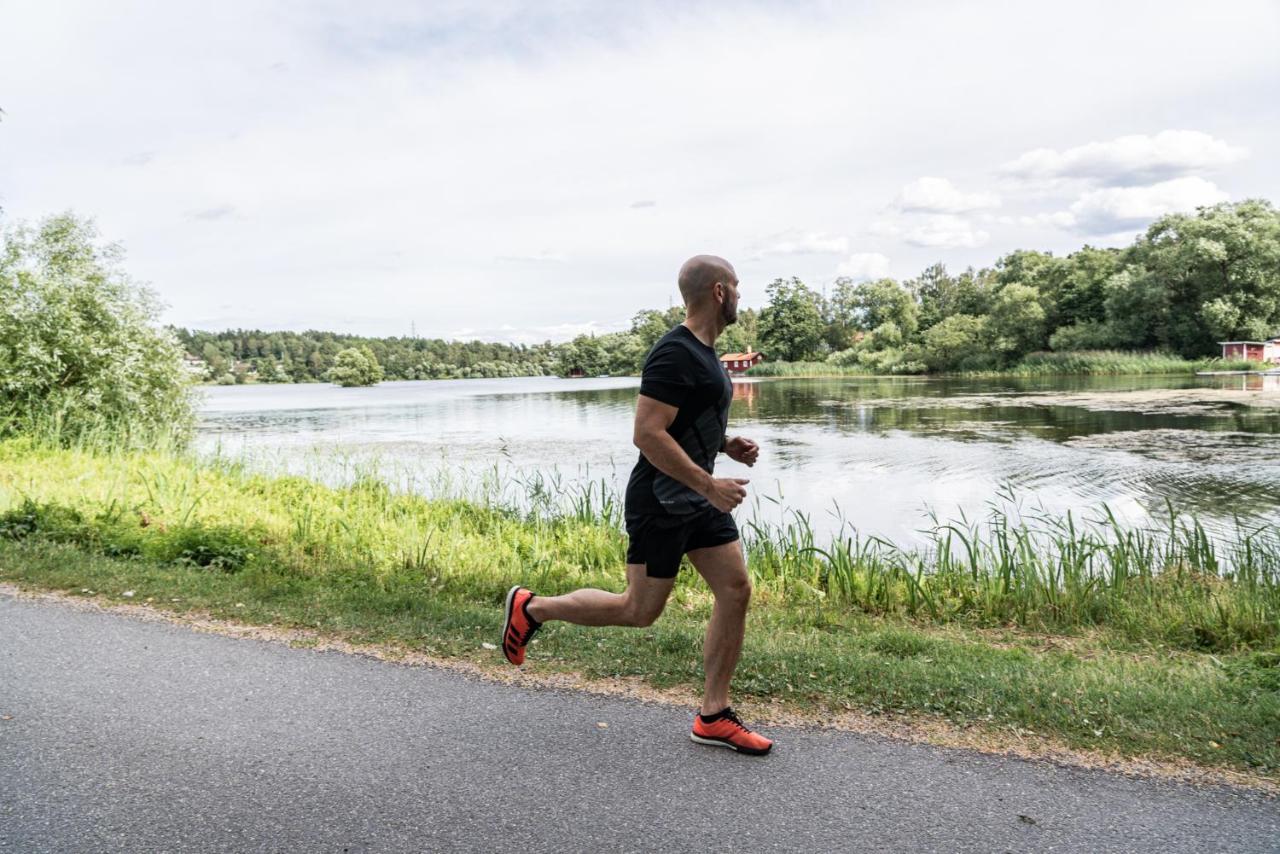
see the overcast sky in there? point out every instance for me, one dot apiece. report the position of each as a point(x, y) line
point(524, 171)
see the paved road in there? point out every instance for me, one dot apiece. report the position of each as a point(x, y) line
point(128, 735)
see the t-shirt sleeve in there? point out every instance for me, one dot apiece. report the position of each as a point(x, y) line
point(667, 375)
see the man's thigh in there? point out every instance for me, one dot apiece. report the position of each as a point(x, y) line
point(645, 591)
point(724, 567)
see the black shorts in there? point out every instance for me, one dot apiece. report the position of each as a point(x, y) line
point(659, 540)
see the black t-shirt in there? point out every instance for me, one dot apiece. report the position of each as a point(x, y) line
point(682, 372)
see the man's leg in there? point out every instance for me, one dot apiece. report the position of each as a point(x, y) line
point(725, 570)
point(639, 605)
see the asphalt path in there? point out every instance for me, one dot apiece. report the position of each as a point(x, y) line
point(119, 734)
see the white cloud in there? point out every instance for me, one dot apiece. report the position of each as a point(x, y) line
point(374, 161)
point(864, 265)
point(1129, 160)
point(1058, 219)
point(946, 232)
point(1119, 209)
point(938, 195)
point(544, 256)
point(797, 243)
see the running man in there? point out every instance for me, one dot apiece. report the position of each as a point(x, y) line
point(675, 506)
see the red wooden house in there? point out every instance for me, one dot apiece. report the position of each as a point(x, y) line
point(1252, 351)
point(737, 363)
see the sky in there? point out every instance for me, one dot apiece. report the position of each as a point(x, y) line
point(528, 171)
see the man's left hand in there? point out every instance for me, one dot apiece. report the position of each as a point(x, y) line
point(743, 450)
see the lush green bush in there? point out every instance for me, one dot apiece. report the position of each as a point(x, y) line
point(355, 366)
point(81, 355)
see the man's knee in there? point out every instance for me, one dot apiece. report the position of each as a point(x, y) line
point(737, 592)
point(642, 614)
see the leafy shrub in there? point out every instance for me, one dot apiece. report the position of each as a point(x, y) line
point(52, 521)
point(81, 354)
point(1088, 335)
point(214, 547)
point(355, 366)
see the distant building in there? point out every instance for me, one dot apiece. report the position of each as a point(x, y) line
point(195, 366)
point(576, 373)
point(1252, 351)
point(737, 363)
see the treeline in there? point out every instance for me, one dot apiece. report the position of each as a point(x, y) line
point(1188, 282)
point(239, 354)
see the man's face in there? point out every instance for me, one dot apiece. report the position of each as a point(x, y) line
point(729, 308)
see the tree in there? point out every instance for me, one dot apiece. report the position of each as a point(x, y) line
point(355, 366)
point(941, 295)
point(1015, 325)
point(81, 352)
point(650, 324)
point(956, 343)
point(885, 301)
point(843, 322)
point(1209, 275)
point(791, 327)
point(1081, 295)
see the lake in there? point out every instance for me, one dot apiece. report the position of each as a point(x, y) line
point(876, 453)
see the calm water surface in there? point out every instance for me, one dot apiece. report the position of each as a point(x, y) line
point(877, 453)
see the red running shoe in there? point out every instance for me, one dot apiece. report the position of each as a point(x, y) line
point(519, 626)
point(725, 730)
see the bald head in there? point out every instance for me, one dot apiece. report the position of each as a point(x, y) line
point(699, 275)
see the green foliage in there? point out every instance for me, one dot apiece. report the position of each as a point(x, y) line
point(941, 295)
point(791, 326)
point(1207, 276)
point(957, 343)
point(1188, 282)
point(355, 366)
point(1016, 322)
point(302, 357)
point(864, 306)
point(1083, 335)
point(81, 356)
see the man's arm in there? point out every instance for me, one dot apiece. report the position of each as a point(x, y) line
point(653, 417)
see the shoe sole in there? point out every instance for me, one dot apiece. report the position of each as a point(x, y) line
point(716, 742)
point(506, 624)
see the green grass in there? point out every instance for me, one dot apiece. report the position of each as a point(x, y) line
point(1083, 362)
point(808, 369)
point(1116, 362)
point(1161, 642)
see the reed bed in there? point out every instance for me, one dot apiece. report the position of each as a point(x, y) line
point(1078, 363)
point(1168, 583)
point(1114, 362)
point(809, 369)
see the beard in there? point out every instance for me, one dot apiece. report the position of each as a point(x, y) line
point(729, 313)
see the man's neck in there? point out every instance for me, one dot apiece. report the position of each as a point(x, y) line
point(706, 328)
